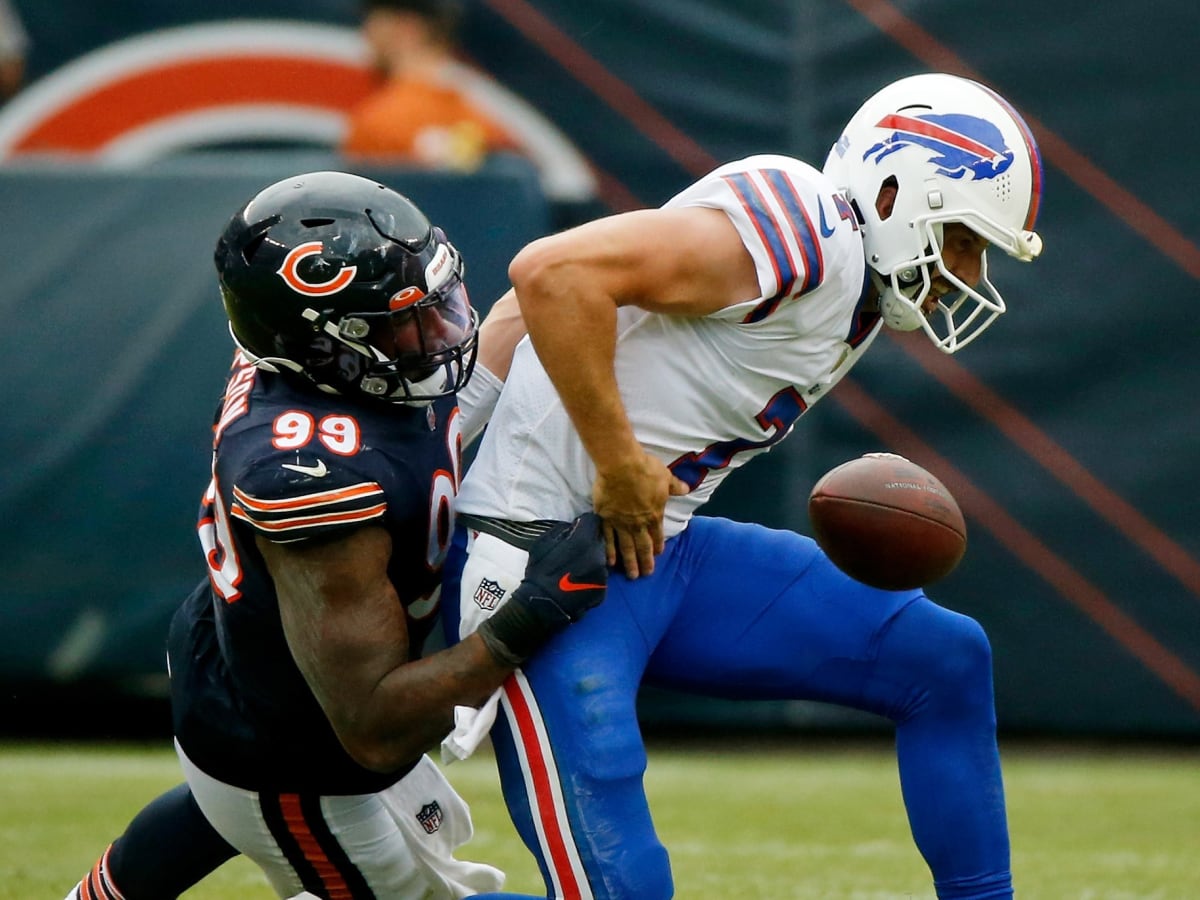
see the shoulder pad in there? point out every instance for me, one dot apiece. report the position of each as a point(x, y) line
point(286, 500)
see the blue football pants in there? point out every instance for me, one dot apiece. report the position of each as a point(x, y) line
point(737, 610)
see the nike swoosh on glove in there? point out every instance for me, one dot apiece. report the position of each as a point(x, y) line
point(567, 574)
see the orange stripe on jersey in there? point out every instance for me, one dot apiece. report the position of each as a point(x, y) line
point(322, 498)
point(356, 515)
point(293, 817)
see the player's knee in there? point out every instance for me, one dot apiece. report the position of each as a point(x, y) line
point(948, 658)
point(964, 652)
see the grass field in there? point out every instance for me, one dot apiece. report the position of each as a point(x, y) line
point(781, 822)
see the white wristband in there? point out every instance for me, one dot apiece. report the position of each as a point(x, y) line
point(477, 399)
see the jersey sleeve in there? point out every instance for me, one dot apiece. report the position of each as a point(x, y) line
point(773, 204)
point(286, 501)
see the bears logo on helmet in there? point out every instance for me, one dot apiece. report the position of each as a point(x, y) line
point(290, 272)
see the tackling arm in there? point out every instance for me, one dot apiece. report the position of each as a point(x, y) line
point(499, 335)
point(349, 636)
point(347, 632)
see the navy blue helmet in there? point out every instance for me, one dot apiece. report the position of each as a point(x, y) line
point(344, 282)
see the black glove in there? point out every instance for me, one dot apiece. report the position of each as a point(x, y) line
point(565, 577)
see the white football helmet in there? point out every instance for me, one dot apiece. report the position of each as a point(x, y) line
point(956, 151)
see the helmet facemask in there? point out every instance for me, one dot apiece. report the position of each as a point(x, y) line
point(422, 349)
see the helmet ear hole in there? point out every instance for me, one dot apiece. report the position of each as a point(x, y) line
point(885, 200)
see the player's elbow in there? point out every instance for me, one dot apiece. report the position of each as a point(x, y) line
point(379, 753)
point(537, 274)
point(382, 740)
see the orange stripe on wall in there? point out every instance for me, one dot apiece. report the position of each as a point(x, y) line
point(117, 107)
point(1025, 546)
point(1119, 513)
point(615, 92)
point(1086, 174)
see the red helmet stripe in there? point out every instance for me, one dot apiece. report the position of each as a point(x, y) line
point(937, 132)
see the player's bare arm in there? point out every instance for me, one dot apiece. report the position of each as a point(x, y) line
point(346, 629)
point(688, 262)
point(499, 334)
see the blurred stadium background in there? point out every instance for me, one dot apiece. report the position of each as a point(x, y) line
point(1070, 435)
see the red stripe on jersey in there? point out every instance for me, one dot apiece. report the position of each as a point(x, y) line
point(756, 211)
point(293, 818)
point(789, 198)
point(542, 801)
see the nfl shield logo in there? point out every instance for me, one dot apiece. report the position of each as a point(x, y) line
point(430, 817)
point(488, 594)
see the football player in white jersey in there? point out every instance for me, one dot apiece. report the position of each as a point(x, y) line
point(667, 347)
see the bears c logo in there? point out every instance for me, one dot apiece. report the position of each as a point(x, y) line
point(290, 272)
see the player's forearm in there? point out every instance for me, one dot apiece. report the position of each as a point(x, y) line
point(412, 707)
point(574, 334)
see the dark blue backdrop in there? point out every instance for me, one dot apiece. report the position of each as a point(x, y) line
point(1069, 433)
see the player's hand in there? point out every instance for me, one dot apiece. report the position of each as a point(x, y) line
point(566, 575)
point(631, 499)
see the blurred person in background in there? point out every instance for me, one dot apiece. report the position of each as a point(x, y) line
point(420, 112)
point(302, 706)
point(432, 108)
point(14, 46)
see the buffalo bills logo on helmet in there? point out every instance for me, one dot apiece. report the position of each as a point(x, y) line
point(290, 272)
point(960, 145)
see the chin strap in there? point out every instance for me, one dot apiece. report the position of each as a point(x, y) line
point(897, 314)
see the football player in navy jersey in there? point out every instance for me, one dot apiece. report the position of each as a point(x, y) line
point(302, 707)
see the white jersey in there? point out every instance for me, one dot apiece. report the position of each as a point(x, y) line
point(705, 394)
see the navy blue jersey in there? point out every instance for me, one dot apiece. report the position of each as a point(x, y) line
point(293, 464)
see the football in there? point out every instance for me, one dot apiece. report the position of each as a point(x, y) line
point(887, 522)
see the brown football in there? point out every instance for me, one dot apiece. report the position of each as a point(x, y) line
point(887, 522)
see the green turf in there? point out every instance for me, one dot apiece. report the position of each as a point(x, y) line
point(784, 822)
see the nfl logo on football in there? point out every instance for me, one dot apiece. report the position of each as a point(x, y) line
point(488, 594)
point(430, 817)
